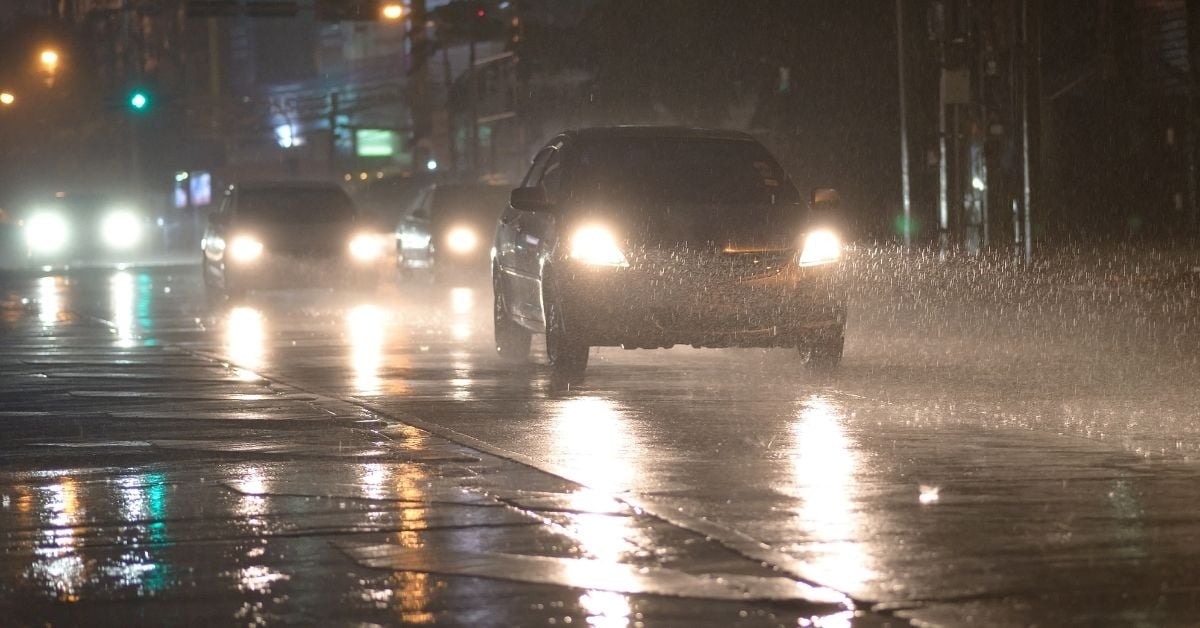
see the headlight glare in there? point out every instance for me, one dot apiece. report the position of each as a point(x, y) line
point(597, 246)
point(121, 229)
point(821, 247)
point(46, 233)
point(366, 247)
point(245, 249)
point(461, 240)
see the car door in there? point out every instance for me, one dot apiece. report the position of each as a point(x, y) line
point(535, 233)
point(216, 235)
point(512, 250)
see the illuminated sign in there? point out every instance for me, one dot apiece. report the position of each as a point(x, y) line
point(375, 142)
point(201, 187)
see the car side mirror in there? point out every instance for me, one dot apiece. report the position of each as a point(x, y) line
point(823, 198)
point(529, 199)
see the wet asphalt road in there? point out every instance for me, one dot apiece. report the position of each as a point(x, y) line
point(1016, 455)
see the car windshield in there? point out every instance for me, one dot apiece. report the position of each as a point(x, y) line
point(666, 171)
point(280, 205)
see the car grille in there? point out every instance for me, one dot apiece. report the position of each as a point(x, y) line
point(711, 267)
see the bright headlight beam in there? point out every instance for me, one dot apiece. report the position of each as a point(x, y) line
point(461, 240)
point(597, 246)
point(821, 247)
point(121, 229)
point(366, 247)
point(245, 249)
point(46, 232)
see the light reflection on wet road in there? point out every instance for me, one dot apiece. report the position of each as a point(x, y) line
point(972, 483)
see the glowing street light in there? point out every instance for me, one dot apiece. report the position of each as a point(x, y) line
point(49, 59)
point(392, 11)
point(6, 98)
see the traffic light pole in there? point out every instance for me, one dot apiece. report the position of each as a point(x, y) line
point(331, 158)
point(473, 86)
point(905, 184)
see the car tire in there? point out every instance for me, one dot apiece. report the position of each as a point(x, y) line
point(212, 294)
point(512, 340)
point(233, 290)
point(566, 352)
point(822, 352)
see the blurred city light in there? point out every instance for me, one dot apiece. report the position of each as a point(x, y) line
point(392, 11)
point(6, 98)
point(139, 100)
point(49, 59)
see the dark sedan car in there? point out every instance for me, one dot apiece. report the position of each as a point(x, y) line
point(446, 231)
point(281, 235)
point(647, 237)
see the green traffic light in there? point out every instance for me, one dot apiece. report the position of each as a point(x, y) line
point(139, 101)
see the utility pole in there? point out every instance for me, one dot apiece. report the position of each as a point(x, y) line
point(331, 159)
point(473, 88)
point(905, 185)
point(1193, 113)
point(1031, 60)
point(422, 107)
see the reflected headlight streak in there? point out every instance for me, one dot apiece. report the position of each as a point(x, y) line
point(121, 229)
point(245, 249)
point(366, 247)
point(821, 247)
point(597, 246)
point(461, 240)
point(46, 232)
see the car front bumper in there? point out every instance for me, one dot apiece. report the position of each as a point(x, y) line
point(625, 307)
point(279, 271)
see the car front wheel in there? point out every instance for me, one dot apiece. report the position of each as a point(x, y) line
point(566, 352)
point(822, 351)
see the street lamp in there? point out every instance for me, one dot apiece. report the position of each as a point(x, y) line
point(49, 59)
point(392, 11)
point(7, 99)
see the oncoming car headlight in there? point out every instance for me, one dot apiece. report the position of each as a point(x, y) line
point(46, 232)
point(366, 247)
point(596, 246)
point(121, 229)
point(461, 240)
point(245, 249)
point(820, 247)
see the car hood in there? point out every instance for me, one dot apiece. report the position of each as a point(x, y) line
point(729, 228)
point(302, 238)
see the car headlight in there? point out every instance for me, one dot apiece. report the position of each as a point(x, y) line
point(46, 233)
point(597, 246)
point(821, 247)
point(245, 249)
point(366, 247)
point(121, 229)
point(461, 240)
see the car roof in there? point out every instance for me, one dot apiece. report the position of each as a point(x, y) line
point(643, 131)
point(273, 186)
point(470, 187)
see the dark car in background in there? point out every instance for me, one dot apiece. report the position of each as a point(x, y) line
point(83, 228)
point(291, 235)
point(648, 237)
point(447, 230)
